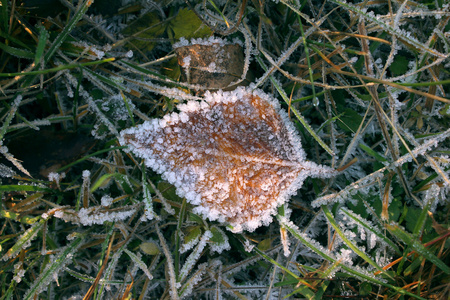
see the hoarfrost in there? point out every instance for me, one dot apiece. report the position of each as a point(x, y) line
point(19, 272)
point(87, 217)
point(220, 247)
point(212, 40)
point(95, 215)
point(129, 54)
point(194, 256)
point(189, 245)
point(236, 155)
point(116, 107)
point(6, 171)
point(343, 195)
point(106, 200)
point(192, 282)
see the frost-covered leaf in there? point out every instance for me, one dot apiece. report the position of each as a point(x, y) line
point(138, 261)
point(194, 233)
point(211, 63)
point(191, 238)
point(399, 66)
point(235, 155)
point(150, 248)
point(219, 240)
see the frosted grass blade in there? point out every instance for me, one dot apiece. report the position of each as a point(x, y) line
point(362, 222)
point(294, 230)
point(417, 246)
point(53, 268)
point(27, 237)
point(348, 242)
point(297, 113)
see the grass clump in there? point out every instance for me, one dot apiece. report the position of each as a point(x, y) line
point(365, 83)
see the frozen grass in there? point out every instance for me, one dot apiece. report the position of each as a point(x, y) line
point(366, 85)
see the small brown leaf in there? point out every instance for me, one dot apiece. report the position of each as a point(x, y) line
point(212, 63)
point(235, 156)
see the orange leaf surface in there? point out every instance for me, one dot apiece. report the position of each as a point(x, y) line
point(235, 155)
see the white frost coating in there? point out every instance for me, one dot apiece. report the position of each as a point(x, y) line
point(56, 177)
point(6, 171)
point(94, 215)
point(344, 194)
point(19, 272)
point(87, 219)
point(129, 54)
point(235, 155)
point(106, 200)
point(212, 40)
point(220, 247)
point(86, 174)
point(195, 255)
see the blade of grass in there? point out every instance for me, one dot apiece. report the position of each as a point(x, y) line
point(352, 246)
point(364, 224)
point(29, 235)
point(304, 290)
point(22, 53)
point(89, 156)
point(52, 269)
point(10, 116)
point(67, 29)
point(296, 113)
point(321, 252)
point(59, 68)
point(372, 153)
point(18, 217)
point(310, 70)
point(415, 244)
point(43, 36)
point(23, 188)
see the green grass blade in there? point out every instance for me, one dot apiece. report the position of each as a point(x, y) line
point(23, 188)
point(296, 113)
point(59, 68)
point(18, 217)
point(348, 242)
point(10, 116)
point(43, 37)
point(16, 51)
point(89, 156)
point(321, 252)
point(417, 246)
point(139, 263)
point(372, 153)
point(27, 237)
point(364, 224)
point(67, 29)
point(53, 268)
point(304, 290)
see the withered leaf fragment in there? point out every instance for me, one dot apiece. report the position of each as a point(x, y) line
point(235, 156)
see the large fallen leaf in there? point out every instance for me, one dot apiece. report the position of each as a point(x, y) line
point(235, 155)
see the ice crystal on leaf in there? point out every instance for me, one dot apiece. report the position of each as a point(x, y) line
point(235, 155)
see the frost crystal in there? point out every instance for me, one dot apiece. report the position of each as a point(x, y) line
point(106, 200)
point(235, 155)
